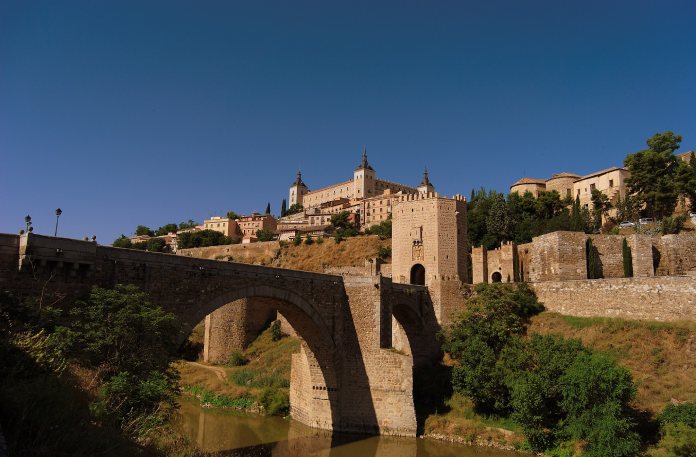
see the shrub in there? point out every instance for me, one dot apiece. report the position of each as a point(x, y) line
point(384, 252)
point(308, 240)
point(383, 229)
point(627, 259)
point(265, 235)
point(673, 224)
point(679, 414)
point(276, 334)
point(275, 401)
point(320, 239)
point(237, 359)
point(297, 240)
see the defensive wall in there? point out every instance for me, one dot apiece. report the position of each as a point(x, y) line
point(663, 285)
point(660, 298)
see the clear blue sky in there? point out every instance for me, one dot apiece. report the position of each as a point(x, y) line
point(148, 112)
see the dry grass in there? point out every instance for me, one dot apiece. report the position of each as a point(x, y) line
point(661, 356)
point(351, 252)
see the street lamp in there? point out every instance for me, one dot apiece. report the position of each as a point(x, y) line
point(27, 220)
point(58, 213)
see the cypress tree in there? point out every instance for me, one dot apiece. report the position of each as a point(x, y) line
point(268, 208)
point(591, 260)
point(283, 208)
point(627, 260)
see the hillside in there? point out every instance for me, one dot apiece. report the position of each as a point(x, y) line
point(351, 252)
point(660, 355)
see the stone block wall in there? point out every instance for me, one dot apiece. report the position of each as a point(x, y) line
point(660, 298)
point(558, 256)
point(610, 250)
point(678, 253)
point(479, 265)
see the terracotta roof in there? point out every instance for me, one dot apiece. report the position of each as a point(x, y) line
point(685, 155)
point(601, 172)
point(529, 181)
point(563, 175)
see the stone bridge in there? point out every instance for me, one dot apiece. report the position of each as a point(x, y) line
point(361, 336)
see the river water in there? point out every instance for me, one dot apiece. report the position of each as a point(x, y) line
point(248, 435)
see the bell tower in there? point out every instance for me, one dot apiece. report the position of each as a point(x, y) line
point(364, 178)
point(426, 187)
point(297, 190)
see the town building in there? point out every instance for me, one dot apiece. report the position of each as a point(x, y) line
point(225, 225)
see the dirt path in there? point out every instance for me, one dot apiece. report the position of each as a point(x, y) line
point(219, 372)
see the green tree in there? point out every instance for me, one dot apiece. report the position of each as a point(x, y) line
point(653, 178)
point(232, 215)
point(494, 315)
point(143, 230)
point(686, 180)
point(627, 259)
point(203, 238)
point(383, 229)
point(308, 240)
point(294, 209)
point(265, 235)
point(627, 209)
point(122, 242)
point(498, 220)
point(297, 239)
point(155, 245)
point(283, 208)
point(188, 225)
point(168, 228)
point(600, 207)
point(129, 341)
point(268, 208)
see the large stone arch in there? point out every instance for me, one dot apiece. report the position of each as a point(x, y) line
point(315, 372)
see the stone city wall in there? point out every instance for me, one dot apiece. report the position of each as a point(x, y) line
point(254, 252)
point(660, 298)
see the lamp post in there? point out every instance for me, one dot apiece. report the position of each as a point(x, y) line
point(27, 220)
point(58, 213)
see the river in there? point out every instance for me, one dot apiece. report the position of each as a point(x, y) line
point(249, 435)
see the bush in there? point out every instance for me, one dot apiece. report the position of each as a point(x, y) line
point(265, 235)
point(384, 252)
point(320, 239)
point(275, 401)
point(673, 224)
point(679, 414)
point(276, 334)
point(308, 240)
point(494, 315)
point(202, 238)
point(383, 229)
point(297, 240)
point(237, 359)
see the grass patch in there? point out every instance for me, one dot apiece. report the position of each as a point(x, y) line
point(211, 399)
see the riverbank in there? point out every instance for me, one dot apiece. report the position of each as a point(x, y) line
point(660, 357)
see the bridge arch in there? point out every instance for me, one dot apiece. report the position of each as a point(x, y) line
point(315, 379)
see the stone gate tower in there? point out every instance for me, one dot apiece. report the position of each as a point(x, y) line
point(429, 245)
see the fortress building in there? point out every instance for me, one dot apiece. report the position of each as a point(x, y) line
point(369, 198)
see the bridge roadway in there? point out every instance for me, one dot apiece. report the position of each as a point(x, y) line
point(347, 375)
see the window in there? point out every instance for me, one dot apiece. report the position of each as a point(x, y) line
point(611, 183)
point(593, 187)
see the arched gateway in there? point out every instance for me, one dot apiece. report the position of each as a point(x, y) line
point(346, 376)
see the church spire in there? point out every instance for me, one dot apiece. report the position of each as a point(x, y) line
point(364, 165)
point(425, 181)
point(298, 179)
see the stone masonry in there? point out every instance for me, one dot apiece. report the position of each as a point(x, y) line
point(346, 377)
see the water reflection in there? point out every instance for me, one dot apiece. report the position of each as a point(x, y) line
point(245, 435)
